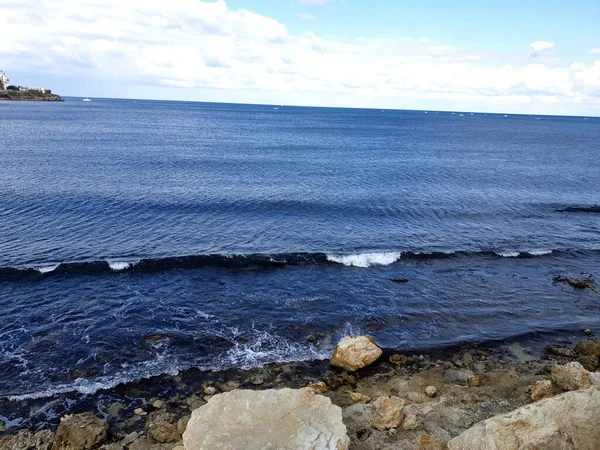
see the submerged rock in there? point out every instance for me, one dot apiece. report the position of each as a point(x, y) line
point(588, 347)
point(567, 421)
point(355, 352)
point(80, 432)
point(269, 419)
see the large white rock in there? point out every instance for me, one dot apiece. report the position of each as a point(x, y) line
point(355, 352)
point(564, 422)
point(272, 419)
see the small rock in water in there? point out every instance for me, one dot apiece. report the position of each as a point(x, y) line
point(430, 391)
point(400, 359)
point(542, 389)
point(140, 412)
point(257, 381)
point(588, 347)
point(158, 404)
point(588, 332)
point(355, 352)
point(163, 432)
point(210, 390)
point(229, 386)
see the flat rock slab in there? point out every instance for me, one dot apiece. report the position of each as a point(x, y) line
point(271, 419)
point(566, 422)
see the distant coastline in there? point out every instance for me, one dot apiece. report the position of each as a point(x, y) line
point(29, 95)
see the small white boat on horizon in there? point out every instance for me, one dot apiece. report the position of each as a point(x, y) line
point(87, 99)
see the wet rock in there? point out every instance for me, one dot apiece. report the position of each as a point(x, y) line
point(319, 387)
point(428, 442)
point(163, 432)
point(573, 376)
point(158, 404)
point(355, 352)
point(588, 332)
point(130, 438)
point(210, 390)
point(140, 412)
point(285, 419)
point(401, 360)
point(229, 386)
point(542, 389)
point(430, 391)
point(388, 413)
point(561, 351)
point(584, 283)
point(588, 347)
point(80, 432)
point(195, 402)
point(566, 421)
point(145, 444)
point(26, 440)
point(474, 381)
point(589, 362)
point(257, 381)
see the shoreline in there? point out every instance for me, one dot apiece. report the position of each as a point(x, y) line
point(29, 96)
point(505, 377)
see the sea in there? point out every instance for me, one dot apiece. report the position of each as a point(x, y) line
point(140, 238)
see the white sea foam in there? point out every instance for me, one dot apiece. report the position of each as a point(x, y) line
point(539, 252)
point(47, 269)
point(508, 254)
point(121, 265)
point(366, 259)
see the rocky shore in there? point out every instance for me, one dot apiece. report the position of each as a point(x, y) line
point(363, 399)
point(32, 96)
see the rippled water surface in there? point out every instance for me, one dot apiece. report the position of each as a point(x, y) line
point(138, 238)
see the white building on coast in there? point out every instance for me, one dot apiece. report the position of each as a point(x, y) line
point(3, 81)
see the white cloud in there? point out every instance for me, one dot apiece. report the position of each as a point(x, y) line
point(594, 51)
point(539, 46)
point(319, 2)
point(210, 46)
point(305, 16)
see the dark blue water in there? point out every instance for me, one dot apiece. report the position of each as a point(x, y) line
point(234, 231)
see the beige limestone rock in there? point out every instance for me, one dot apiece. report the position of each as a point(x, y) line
point(388, 413)
point(541, 390)
point(357, 397)
point(271, 419)
point(355, 352)
point(410, 422)
point(80, 432)
point(573, 376)
point(567, 422)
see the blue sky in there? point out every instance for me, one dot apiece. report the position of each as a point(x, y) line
point(498, 56)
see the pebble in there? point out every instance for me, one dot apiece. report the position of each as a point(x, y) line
point(588, 332)
point(158, 404)
point(140, 412)
point(474, 381)
point(430, 391)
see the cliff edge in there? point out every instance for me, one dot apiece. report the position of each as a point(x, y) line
point(29, 96)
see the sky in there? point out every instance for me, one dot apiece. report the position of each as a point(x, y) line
point(510, 56)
